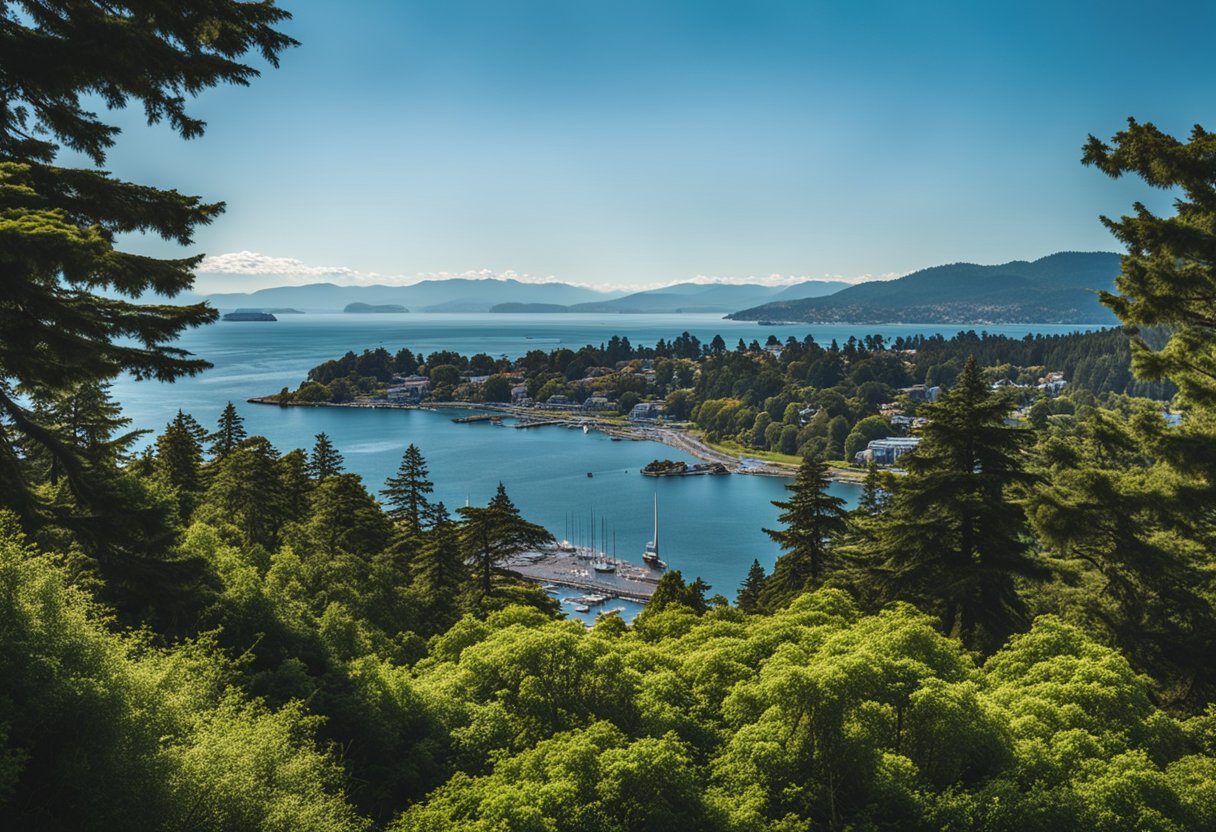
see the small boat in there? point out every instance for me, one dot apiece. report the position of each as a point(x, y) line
point(603, 566)
point(586, 429)
point(589, 474)
point(582, 608)
point(615, 438)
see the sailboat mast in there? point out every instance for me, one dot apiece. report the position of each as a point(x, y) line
point(656, 522)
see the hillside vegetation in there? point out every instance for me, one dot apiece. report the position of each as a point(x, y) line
point(1059, 288)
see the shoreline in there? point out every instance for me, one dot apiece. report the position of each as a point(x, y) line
point(677, 438)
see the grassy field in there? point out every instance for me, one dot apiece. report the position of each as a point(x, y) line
point(840, 469)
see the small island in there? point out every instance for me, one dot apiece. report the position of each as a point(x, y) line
point(369, 308)
point(668, 468)
point(249, 315)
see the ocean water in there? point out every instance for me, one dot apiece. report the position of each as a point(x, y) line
point(710, 527)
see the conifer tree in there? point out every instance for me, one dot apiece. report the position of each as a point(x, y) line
point(406, 493)
point(325, 461)
point(230, 432)
point(953, 538)
point(1168, 275)
point(439, 569)
point(247, 491)
point(812, 518)
point(294, 481)
point(179, 458)
point(748, 598)
point(495, 532)
point(64, 276)
point(873, 497)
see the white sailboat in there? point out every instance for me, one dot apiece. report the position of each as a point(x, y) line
point(651, 555)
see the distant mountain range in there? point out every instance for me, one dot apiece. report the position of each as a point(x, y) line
point(457, 294)
point(688, 298)
point(1059, 288)
point(489, 295)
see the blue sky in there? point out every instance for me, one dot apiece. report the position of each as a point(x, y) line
point(648, 142)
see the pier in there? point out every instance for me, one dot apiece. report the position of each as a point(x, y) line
point(573, 568)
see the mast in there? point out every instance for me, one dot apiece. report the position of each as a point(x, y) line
point(656, 522)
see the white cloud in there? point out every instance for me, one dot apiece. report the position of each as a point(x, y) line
point(250, 270)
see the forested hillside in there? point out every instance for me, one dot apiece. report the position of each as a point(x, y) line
point(1059, 288)
point(211, 633)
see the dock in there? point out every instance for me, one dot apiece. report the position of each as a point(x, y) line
point(573, 568)
point(478, 417)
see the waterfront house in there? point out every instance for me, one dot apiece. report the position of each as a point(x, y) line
point(886, 451)
point(646, 412)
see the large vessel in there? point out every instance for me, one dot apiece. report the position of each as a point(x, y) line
point(651, 555)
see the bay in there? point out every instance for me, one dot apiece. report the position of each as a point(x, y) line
point(711, 527)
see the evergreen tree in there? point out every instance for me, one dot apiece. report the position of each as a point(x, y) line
point(230, 432)
point(64, 277)
point(748, 598)
point(325, 461)
point(247, 491)
point(495, 532)
point(295, 484)
point(179, 458)
point(406, 493)
point(953, 538)
point(812, 518)
point(1168, 276)
point(873, 497)
point(440, 570)
point(345, 517)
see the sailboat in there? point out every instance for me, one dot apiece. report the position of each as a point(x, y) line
point(603, 564)
point(651, 555)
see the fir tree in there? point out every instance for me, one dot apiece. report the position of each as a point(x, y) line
point(495, 532)
point(953, 539)
point(1168, 276)
point(406, 493)
point(179, 458)
point(247, 492)
point(439, 569)
point(325, 461)
point(230, 432)
point(64, 277)
point(812, 518)
point(748, 598)
point(873, 496)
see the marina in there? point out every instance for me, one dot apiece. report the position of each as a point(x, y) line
point(576, 568)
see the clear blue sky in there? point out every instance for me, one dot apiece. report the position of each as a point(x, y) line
point(642, 142)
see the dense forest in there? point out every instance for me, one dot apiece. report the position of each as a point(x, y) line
point(210, 633)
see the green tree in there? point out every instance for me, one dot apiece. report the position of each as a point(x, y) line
point(324, 461)
point(406, 492)
point(953, 537)
point(179, 459)
point(1168, 276)
point(58, 252)
point(812, 518)
point(440, 570)
point(247, 492)
point(748, 597)
point(230, 432)
point(494, 532)
point(868, 429)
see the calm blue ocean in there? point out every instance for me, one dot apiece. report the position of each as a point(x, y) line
point(710, 526)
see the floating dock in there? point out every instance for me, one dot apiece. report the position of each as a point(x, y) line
point(478, 417)
point(575, 568)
